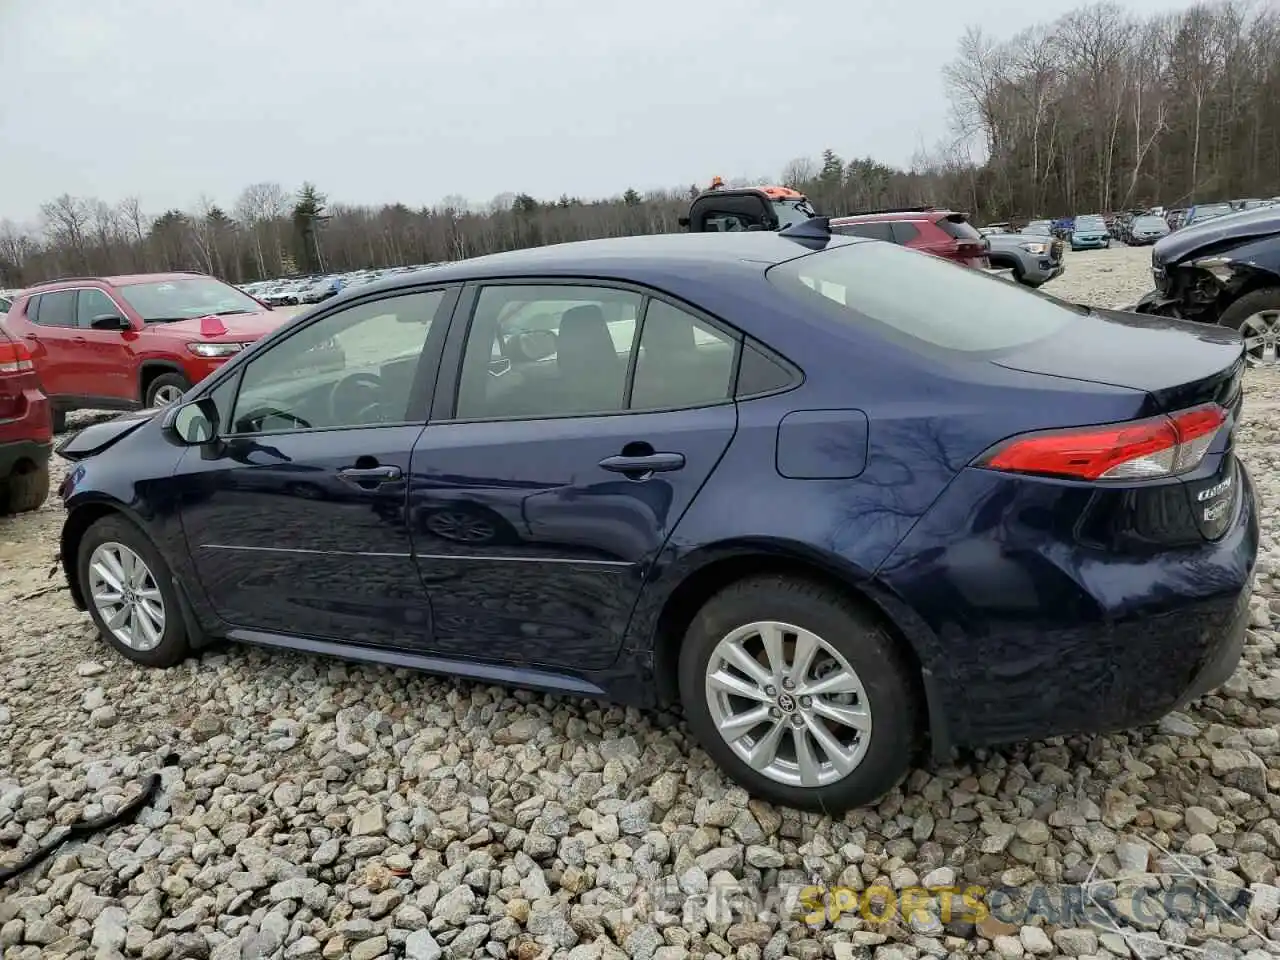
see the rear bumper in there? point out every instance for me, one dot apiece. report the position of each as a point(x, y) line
point(1026, 630)
point(16, 451)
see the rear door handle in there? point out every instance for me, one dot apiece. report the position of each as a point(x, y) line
point(79, 340)
point(649, 463)
point(370, 474)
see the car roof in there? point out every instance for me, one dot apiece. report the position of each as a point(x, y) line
point(931, 215)
point(120, 280)
point(625, 258)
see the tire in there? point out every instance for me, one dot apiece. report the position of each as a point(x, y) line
point(173, 646)
point(888, 689)
point(59, 418)
point(25, 491)
point(165, 384)
point(1250, 305)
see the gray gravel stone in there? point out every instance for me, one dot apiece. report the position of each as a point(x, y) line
point(314, 808)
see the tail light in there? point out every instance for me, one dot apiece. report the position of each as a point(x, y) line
point(14, 357)
point(1142, 449)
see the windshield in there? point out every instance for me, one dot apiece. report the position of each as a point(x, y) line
point(922, 301)
point(1043, 227)
point(1090, 223)
point(792, 211)
point(1211, 210)
point(1150, 223)
point(185, 299)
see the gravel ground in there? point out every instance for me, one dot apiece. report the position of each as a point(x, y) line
point(314, 809)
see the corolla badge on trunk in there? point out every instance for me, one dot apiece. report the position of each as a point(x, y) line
point(1215, 490)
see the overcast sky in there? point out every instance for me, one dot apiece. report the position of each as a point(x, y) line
point(397, 100)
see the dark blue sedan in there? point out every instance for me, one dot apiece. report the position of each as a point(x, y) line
point(835, 497)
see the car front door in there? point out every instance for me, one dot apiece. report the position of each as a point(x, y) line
point(106, 353)
point(551, 477)
point(295, 517)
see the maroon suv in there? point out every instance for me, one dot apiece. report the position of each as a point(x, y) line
point(943, 233)
point(119, 343)
point(26, 431)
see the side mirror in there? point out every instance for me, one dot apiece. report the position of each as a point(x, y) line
point(110, 321)
point(191, 424)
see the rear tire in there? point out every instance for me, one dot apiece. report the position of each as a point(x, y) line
point(153, 587)
point(22, 492)
point(1257, 315)
point(876, 682)
point(165, 389)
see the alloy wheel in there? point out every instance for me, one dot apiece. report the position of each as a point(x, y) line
point(125, 594)
point(1261, 334)
point(788, 704)
point(166, 395)
point(461, 527)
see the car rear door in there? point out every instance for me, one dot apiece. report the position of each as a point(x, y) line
point(549, 479)
point(56, 344)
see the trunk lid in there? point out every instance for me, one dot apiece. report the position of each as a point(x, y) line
point(1177, 363)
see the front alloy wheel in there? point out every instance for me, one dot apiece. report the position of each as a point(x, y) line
point(788, 704)
point(126, 595)
point(129, 591)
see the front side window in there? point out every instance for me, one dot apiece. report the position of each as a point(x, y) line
point(922, 301)
point(355, 367)
point(94, 303)
point(56, 309)
point(186, 298)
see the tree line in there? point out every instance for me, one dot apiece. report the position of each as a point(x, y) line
point(1096, 111)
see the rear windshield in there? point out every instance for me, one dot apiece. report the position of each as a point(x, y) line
point(959, 229)
point(921, 299)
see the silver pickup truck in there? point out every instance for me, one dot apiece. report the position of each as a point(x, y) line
point(1033, 255)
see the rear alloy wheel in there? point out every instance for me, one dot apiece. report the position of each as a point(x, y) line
point(799, 695)
point(1257, 316)
point(166, 389)
point(128, 589)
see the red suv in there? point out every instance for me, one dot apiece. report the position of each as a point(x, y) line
point(26, 431)
point(120, 343)
point(942, 233)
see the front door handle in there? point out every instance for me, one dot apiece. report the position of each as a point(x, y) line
point(370, 475)
point(644, 464)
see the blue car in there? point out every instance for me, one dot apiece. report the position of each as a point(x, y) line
point(1090, 233)
point(834, 498)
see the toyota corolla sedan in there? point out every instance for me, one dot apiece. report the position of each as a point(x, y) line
point(836, 498)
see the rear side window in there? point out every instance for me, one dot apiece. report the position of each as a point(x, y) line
point(904, 231)
point(759, 373)
point(872, 230)
point(921, 301)
point(54, 309)
point(958, 228)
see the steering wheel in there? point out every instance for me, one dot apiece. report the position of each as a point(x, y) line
point(347, 393)
point(269, 409)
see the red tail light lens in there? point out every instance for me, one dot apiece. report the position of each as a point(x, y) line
point(14, 357)
point(1143, 449)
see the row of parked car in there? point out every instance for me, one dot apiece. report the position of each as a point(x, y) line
point(293, 291)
